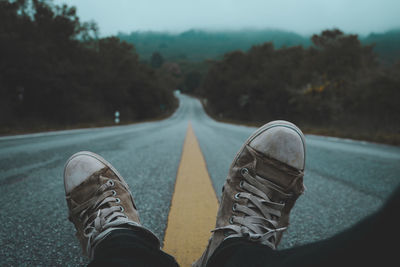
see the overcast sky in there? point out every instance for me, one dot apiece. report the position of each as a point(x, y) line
point(301, 16)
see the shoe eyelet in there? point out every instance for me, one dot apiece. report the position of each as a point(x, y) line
point(231, 220)
point(255, 237)
point(86, 232)
point(244, 171)
point(237, 196)
point(110, 183)
point(114, 193)
point(122, 208)
point(234, 206)
point(117, 200)
point(241, 184)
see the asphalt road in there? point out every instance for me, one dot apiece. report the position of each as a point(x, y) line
point(346, 180)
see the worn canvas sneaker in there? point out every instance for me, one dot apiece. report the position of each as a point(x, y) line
point(99, 200)
point(263, 184)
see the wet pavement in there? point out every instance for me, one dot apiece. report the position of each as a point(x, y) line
point(346, 180)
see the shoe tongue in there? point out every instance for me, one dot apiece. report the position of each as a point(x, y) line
point(282, 175)
point(273, 174)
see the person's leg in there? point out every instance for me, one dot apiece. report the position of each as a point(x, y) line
point(371, 242)
point(130, 248)
point(105, 216)
point(263, 184)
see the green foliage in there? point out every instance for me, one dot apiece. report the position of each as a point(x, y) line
point(192, 81)
point(192, 75)
point(54, 70)
point(156, 60)
point(386, 45)
point(336, 82)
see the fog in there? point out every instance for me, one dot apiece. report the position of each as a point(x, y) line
point(304, 17)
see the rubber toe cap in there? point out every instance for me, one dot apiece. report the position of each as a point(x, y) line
point(281, 143)
point(78, 168)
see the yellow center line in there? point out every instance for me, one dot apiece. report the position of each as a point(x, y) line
point(193, 208)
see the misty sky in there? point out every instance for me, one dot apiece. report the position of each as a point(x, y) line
point(301, 16)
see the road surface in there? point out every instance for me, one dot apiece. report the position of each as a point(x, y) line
point(346, 180)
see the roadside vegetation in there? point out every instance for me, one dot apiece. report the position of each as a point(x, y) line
point(334, 87)
point(333, 84)
point(56, 73)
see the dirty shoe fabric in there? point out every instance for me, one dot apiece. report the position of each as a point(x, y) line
point(263, 184)
point(99, 200)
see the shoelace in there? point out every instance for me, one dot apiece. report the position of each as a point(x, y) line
point(96, 216)
point(261, 213)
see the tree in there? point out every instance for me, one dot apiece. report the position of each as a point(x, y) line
point(192, 81)
point(156, 60)
point(55, 71)
point(341, 54)
point(335, 83)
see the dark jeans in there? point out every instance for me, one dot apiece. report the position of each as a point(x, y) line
point(375, 241)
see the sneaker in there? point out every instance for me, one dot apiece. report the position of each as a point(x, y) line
point(99, 200)
point(263, 184)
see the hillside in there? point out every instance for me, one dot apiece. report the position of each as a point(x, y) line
point(334, 87)
point(387, 45)
point(197, 45)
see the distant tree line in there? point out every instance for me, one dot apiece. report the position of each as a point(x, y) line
point(337, 82)
point(198, 45)
point(55, 70)
point(386, 45)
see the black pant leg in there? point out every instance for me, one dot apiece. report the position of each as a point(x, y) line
point(239, 252)
point(375, 241)
point(130, 248)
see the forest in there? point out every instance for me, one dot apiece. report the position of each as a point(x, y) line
point(55, 72)
point(334, 83)
point(337, 86)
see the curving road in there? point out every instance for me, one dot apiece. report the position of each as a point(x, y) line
point(346, 180)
